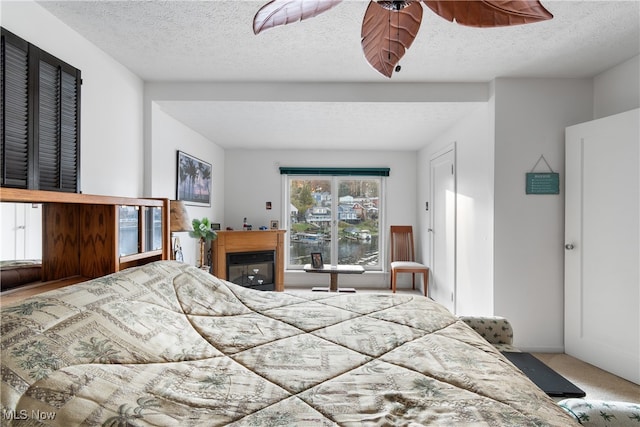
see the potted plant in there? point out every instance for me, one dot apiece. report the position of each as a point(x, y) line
point(202, 230)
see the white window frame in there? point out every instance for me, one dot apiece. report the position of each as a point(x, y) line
point(335, 183)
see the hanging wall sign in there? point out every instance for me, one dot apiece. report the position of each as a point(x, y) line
point(542, 182)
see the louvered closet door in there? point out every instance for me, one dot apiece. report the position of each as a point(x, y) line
point(69, 138)
point(58, 154)
point(14, 126)
point(40, 118)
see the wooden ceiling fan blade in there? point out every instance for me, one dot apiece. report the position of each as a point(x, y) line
point(490, 13)
point(387, 34)
point(282, 12)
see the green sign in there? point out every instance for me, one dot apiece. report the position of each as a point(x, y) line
point(543, 183)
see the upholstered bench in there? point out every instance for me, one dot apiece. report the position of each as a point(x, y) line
point(495, 329)
point(599, 413)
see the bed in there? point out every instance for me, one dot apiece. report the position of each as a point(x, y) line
point(168, 344)
point(16, 273)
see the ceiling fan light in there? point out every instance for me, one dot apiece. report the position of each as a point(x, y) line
point(394, 5)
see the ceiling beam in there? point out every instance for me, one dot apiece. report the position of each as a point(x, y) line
point(319, 92)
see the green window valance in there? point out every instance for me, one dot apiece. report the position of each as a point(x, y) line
point(335, 171)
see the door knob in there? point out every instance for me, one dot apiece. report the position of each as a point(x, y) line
point(569, 246)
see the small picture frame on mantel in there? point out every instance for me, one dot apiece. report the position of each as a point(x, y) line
point(274, 225)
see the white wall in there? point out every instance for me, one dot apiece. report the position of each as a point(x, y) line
point(252, 177)
point(473, 138)
point(111, 104)
point(168, 136)
point(618, 89)
point(531, 115)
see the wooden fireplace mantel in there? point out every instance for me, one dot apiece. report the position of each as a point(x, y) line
point(249, 241)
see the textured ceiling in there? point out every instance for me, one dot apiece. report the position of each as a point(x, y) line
point(213, 41)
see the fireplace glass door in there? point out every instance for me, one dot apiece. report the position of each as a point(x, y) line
point(253, 270)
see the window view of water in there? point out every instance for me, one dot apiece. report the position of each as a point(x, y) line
point(128, 234)
point(349, 252)
point(316, 219)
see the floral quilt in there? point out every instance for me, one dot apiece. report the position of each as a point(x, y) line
point(167, 344)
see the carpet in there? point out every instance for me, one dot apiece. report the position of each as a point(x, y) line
point(543, 376)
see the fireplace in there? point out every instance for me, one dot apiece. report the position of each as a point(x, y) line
point(255, 270)
point(237, 242)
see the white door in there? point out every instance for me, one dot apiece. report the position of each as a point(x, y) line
point(602, 233)
point(443, 230)
point(21, 231)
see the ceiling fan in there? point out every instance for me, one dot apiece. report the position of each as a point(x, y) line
point(389, 27)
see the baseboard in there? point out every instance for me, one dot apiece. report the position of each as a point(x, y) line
point(540, 349)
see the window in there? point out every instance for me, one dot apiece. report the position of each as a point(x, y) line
point(337, 215)
point(131, 240)
point(153, 227)
point(40, 119)
point(128, 234)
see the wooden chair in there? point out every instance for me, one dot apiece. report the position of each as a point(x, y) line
point(403, 256)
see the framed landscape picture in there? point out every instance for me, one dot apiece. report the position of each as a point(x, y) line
point(193, 181)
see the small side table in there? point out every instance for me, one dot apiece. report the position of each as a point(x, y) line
point(334, 271)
